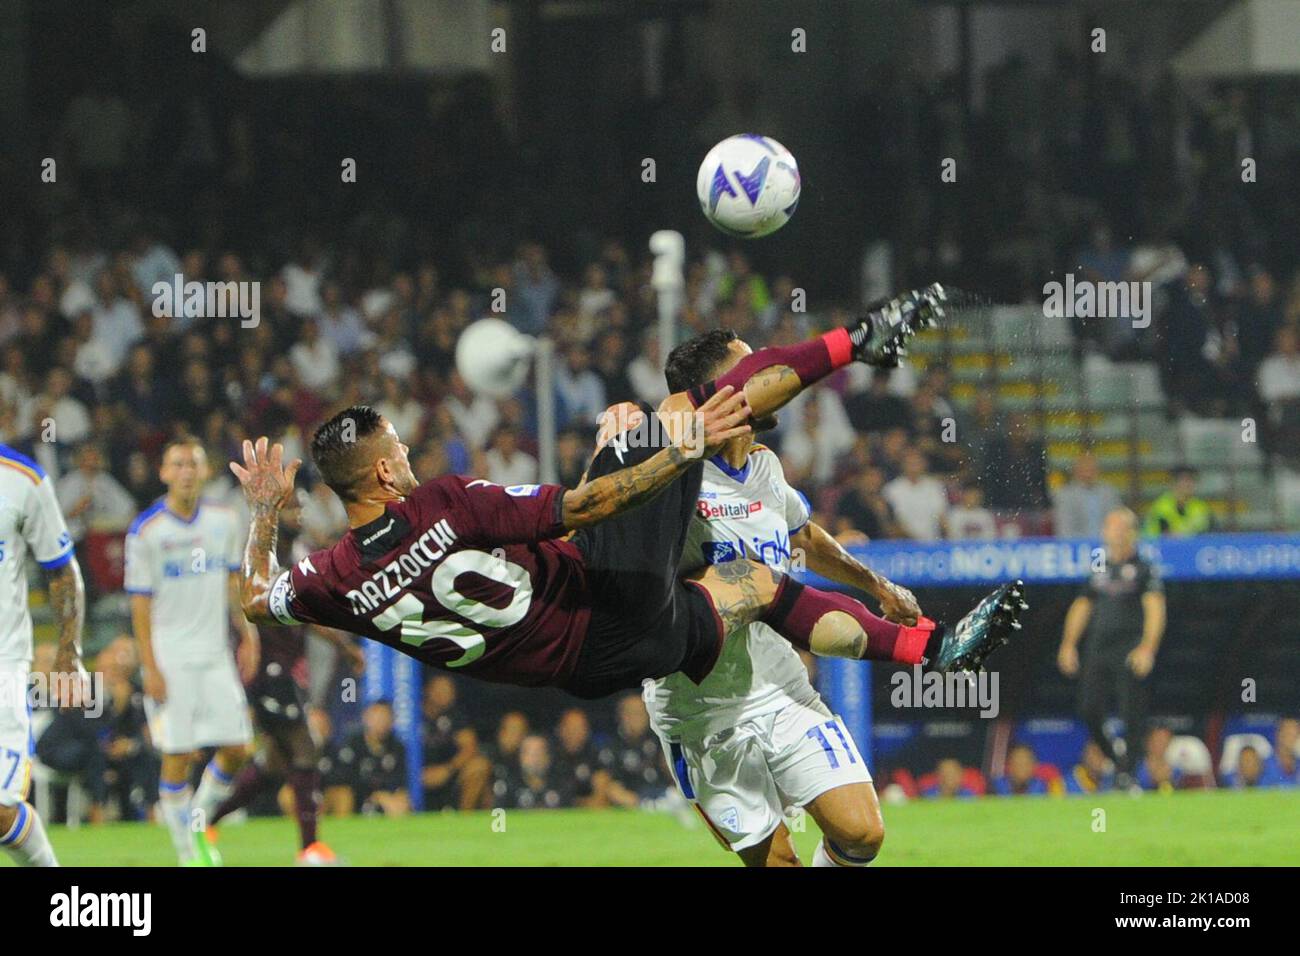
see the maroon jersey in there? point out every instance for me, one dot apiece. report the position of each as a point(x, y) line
point(460, 575)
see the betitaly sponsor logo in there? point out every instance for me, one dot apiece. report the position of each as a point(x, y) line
point(718, 511)
point(133, 911)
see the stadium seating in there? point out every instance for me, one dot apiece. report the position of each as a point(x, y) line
point(1116, 409)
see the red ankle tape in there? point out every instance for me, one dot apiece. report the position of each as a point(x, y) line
point(910, 646)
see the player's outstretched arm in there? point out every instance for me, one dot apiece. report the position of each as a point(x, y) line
point(825, 556)
point(703, 432)
point(268, 485)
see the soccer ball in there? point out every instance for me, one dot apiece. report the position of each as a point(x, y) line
point(748, 185)
point(493, 357)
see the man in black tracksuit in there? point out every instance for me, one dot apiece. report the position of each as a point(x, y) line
point(1121, 609)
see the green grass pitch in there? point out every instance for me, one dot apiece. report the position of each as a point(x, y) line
point(1223, 828)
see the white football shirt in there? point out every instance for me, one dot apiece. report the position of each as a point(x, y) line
point(746, 513)
point(30, 522)
point(185, 565)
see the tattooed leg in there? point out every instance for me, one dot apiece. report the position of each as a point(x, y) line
point(824, 622)
point(741, 591)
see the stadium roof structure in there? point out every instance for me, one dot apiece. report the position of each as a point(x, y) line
point(1251, 38)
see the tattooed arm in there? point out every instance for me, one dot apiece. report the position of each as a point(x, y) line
point(68, 601)
point(268, 485)
point(710, 426)
point(823, 555)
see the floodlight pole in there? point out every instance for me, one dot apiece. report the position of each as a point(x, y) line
point(669, 283)
point(548, 467)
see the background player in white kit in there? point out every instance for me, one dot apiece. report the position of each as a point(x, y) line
point(183, 555)
point(31, 522)
point(755, 737)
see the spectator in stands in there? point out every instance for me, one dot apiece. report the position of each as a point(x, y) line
point(1198, 349)
point(863, 513)
point(474, 416)
point(949, 780)
point(814, 435)
point(1081, 505)
point(1282, 768)
point(91, 498)
point(1179, 512)
point(506, 463)
point(1155, 772)
point(115, 317)
point(969, 519)
point(1094, 773)
point(373, 762)
point(131, 775)
point(580, 391)
point(336, 764)
point(58, 407)
point(1022, 777)
point(536, 290)
point(1013, 468)
point(878, 409)
point(316, 359)
point(534, 784)
point(339, 322)
point(576, 759)
point(1278, 378)
point(918, 499)
point(504, 752)
point(1258, 318)
point(1122, 611)
point(645, 372)
point(1101, 260)
point(572, 452)
point(595, 295)
point(454, 773)
point(633, 757)
point(611, 363)
point(1249, 772)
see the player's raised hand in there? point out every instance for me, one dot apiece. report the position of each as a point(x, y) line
point(69, 683)
point(267, 482)
point(613, 421)
point(723, 417)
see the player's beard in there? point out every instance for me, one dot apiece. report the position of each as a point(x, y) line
point(764, 424)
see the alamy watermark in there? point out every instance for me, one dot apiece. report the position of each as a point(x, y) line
point(41, 690)
point(1084, 299)
point(223, 300)
point(920, 688)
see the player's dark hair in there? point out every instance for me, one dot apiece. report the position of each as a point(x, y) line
point(694, 361)
point(337, 448)
point(184, 441)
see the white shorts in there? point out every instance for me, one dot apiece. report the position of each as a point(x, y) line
point(15, 735)
point(205, 707)
point(742, 778)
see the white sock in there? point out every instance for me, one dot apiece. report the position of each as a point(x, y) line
point(174, 802)
point(214, 787)
point(26, 840)
point(822, 858)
